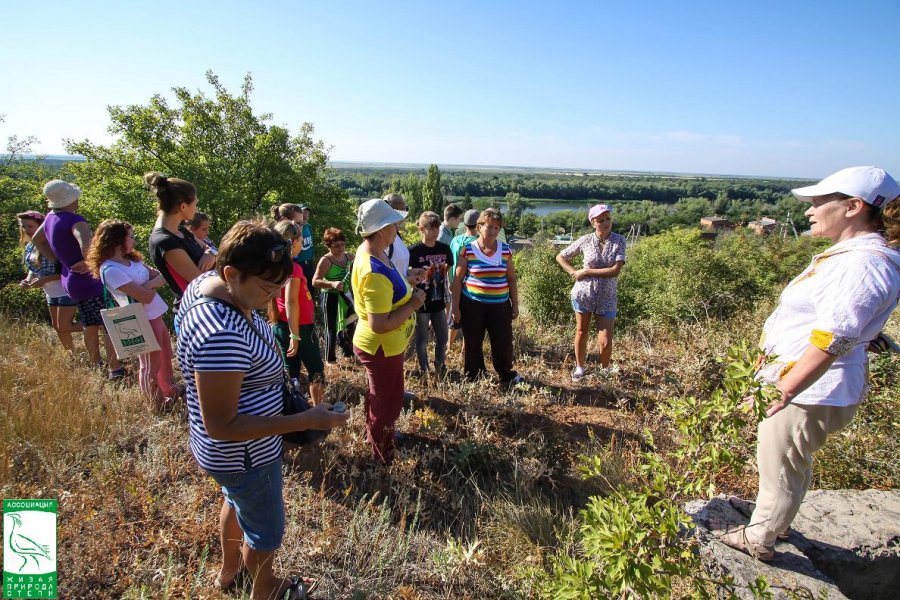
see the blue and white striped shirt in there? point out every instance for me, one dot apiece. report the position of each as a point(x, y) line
point(213, 337)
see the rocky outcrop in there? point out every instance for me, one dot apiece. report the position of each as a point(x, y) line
point(843, 544)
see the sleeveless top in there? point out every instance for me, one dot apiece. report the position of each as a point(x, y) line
point(58, 231)
point(485, 279)
point(337, 273)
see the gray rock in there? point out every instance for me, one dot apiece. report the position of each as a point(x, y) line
point(843, 544)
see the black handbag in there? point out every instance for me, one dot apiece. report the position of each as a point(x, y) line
point(293, 399)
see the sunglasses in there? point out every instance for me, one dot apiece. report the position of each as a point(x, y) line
point(277, 252)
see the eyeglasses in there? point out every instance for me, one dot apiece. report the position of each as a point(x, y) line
point(271, 289)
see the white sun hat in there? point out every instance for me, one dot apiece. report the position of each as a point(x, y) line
point(61, 194)
point(870, 184)
point(376, 214)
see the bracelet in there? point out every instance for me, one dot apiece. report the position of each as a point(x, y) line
point(294, 336)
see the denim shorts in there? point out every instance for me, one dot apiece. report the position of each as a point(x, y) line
point(609, 314)
point(61, 301)
point(256, 496)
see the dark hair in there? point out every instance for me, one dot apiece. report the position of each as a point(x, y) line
point(490, 214)
point(333, 234)
point(110, 235)
point(284, 211)
point(170, 192)
point(395, 200)
point(254, 248)
point(452, 211)
point(198, 220)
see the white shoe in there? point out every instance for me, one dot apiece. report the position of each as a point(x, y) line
point(578, 374)
point(608, 371)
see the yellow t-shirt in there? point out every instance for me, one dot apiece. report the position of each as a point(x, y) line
point(379, 289)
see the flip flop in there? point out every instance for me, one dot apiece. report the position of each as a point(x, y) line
point(301, 588)
point(237, 583)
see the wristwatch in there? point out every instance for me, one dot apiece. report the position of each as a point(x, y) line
point(294, 336)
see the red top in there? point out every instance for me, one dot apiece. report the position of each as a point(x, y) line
point(307, 308)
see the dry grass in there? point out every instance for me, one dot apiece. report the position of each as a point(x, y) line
point(486, 485)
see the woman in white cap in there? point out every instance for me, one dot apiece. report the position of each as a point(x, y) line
point(66, 235)
point(594, 292)
point(386, 305)
point(815, 343)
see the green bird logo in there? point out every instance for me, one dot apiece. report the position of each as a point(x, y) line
point(25, 547)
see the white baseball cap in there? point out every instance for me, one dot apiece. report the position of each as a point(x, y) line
point(870, 184)
point(376, 214)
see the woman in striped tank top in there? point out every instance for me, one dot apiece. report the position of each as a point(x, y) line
point(485, 298)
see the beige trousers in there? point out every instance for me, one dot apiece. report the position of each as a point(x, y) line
point(784, 456)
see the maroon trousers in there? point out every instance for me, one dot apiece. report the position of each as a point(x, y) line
point(384, 400)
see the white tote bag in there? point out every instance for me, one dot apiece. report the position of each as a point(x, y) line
point(129, 330)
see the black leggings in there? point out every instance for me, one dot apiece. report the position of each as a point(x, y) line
point(333, 338)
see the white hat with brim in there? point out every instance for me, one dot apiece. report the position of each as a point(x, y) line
point(870, 184)
point(61, 193)
point(373, 215)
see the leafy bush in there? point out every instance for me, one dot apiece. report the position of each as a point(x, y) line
point(679, 276)
point(632, 542)
point(17, 302)
point(867, 453)
point(543, 285)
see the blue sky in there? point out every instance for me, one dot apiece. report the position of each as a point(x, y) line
point(755, 88)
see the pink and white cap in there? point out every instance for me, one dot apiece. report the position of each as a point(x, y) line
point(597, 210)
point(870, 184)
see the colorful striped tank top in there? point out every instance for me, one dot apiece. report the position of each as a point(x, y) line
point(485, 279)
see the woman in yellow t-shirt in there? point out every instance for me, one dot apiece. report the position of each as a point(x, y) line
point(386, 305)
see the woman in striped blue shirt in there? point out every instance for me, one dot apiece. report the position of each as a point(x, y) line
point(233, 371)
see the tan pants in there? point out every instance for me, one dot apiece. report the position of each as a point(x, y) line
point(784, 456)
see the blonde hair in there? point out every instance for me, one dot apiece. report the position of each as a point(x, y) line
point(429, 220)
point(490, 214)
point(288, 230)
point(887, 221)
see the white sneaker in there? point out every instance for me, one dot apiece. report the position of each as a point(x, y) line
point(578, 374)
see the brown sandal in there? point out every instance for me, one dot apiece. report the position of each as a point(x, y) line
point(746, 508)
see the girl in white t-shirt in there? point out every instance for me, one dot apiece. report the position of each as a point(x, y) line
point(113, 259)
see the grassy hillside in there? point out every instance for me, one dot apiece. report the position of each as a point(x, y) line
point(485, 489)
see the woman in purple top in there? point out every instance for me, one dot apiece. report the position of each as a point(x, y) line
point(594, 291)
point(67, 236)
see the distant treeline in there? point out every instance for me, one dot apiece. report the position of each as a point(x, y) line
point(666, 189)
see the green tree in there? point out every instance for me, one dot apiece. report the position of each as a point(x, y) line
point(411, 188)
point(240, 163)
point(21, 180)
point(431, 193)
point(466, 202)
point(516, 206)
